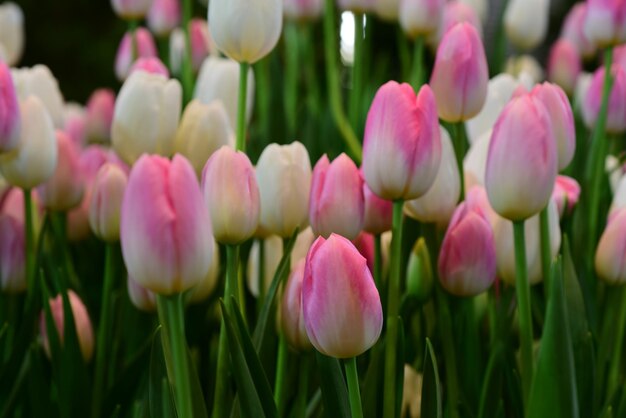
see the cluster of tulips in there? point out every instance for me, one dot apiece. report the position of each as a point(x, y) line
point(462, 253)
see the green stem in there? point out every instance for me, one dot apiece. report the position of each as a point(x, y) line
point(262, 78)
point(393, 294)
point(332, 76)
point(546, 256)
point(187, 71)
point(292, 69)
point(134, 48)
point(615, 368)
point(459, 142)
point(378, 261)
point(261, 275)
point(174, 328)
point(303, 387)
point(29, 239)
point(232, 277)
point(357, 72)
point(241, 106)
point(281, 374)
point(103, 339)
point(449, 358)
point(522, 290)
point(417, 75)
point(352, 376)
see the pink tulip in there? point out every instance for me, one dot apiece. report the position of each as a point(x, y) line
point(10, 124)
point(336, 202)
point(619, 56)
point(421, 17)
point(75, 124)
point(365, 244)
point(152, 65)
point(566, 194)
point(131, 9)
point(136, 45)
point(378, 212)
point(95, 156)
point(142, 298)
point(165, 228)
point(231, 194)
point(303, 9)
point(522, 159)
point(64, 190)
point(340, 303)
point(100, 108)
point(401, 145)
point(460, 75)
point(105, 202)
point(573, 30)
point(12, 257)
point(610, 259)
point(616, 111)
point(456, 12)
point(200, 39)
point(564, 65)
point(291, 318)
point(605, 23)
point(467, 261)
point(164, 16)
point(84, 330)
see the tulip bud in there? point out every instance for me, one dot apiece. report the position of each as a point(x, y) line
point(616, 110)
point(9, 112)
point(95, 156)
point(11, 32)
point(131, 9)
point(12, 257)
point(142, 298)
point(378, 215)
point(336, 202)
point(150, 65)
point(165, 228)
point(455, 12)
point(138, 128)
point(605, 22)
point(39, 81)
point(419, 272)
point(200, 39)
point(105, 202)
point(526, 22)
point(284, 176)
point(564, 65)
point(164, 16)
point(610, 260)
point(231, 194)
point(460, 76)
point(35, 159)
point(401, 145)
point(263, 20)
point(421, 17)
point(303, 10)
point(522, 160)
point(439, 202)
point(203, 130)
point(64, 189)
point(573, 30)
point(82, 323)
point(340, 303)
point(566, 194)
point(100, 108)
point(134, 45)
point(291, 318)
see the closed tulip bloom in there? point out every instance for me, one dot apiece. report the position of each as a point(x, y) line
point(138, 128)
point(106, 202)
point(291, 318)
point(564, 65)
point(100, 108)
point(336, 203)
point(131, 9)
point(82, 323)
point(39, 81)
point(165, 229)
point(34, 160)
point(150, 65)
point(573, 30)
point(455, 12)
point(10, 123)
point(11, 32)
point(526, 22)
point(246, 31)
point(467, 261)
point(340, 303)
point(439, 202)
point(303, 9)
point(163, 16)
point(138, 44)
point(203, 129)
point(460, 76)
point(200, 39)
point(284, 176)
point(605, 22)
point(378, 212)
point(522, 160)
point(64, 189)
point(142, 298)
point(421, 17)
point(401, 145)
point(566, 194)
point(616, 110)
point(610, 258)
point(231, 194)
point(12, 256)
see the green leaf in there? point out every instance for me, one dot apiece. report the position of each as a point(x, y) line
point(373, 384)
point(160, 400)
point(553, 391)
point(400, 366)
point(432, 403)
point(492, 385)
point(333, 385)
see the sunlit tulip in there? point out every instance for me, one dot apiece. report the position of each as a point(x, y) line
point(131, 9)
point(566, 194)
point(302, 9)
point(526, 22)
point(105, 202)
point(573, 30)
point(203, 129)
point(439, 202)
point(340, 303)
point(100, 108)
point(421, 17)
point(605, 22)
point(522, 159)
point(460, 75)
point(336, 202)
point(291, 318)
point(455, 12)
point(564, 65)
point(263, 23)
point(524, 66)
point(610, 258)
point(616, 111)
point(10, 122)
point(165, 228)
point(82, 323)
point(284, 176)
point(138, 44)
point(151, 65)
point(39, 81)
point(163, 16)
point(401, 146)
point(138, 128)
point(378, 212)
point(12, 254)
point(11, 32)
point(142, 298)
point(34, 160)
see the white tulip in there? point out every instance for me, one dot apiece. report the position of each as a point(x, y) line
point(39, 81)
point(526, 22)
point(475, 161)
point(11, 32)
point(421, 17)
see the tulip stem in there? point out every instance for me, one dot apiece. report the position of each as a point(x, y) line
point(357, 72)
point(393, 292)
point(292, 70)
point(281, 371)
point(261, 275)
point(614, 370)
point(522, 289)
point(447, 338)
point(546, 257)
point(241, 106)
point(459, 151)
point(352, 375)
point(29, 239)
point(187, 76)
point(173, 323)
point(417, 75)
point(303, 386)
point(103, 339)
point(378, 262)
point(332, 76)
point(134, 48)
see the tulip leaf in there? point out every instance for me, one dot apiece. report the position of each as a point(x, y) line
point(432, 406)
point(492, 384)
point(400, 354)
point(553, 390)
point(333, 385)
point(372, 387)
point(160, 397)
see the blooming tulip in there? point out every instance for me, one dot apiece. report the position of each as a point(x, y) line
point(378, 213)
point(605, 22)
point(138, 128)
point(39, 81)
point(131, 9)
point(105, 202)
point(616, 110)
point(566, 194)
point(100, 108)
point(35, 159)
point(460, 76)
point(439, 202)
point(421, 17)
point(291, 318)
point(163, 16)
point(263, 23)
point(11, 32)
point(9, 112)
point(231, 194)
point(303, 9)
point(165, 228)
point(142, 298)
point(151, 65)
point(284, 177)
point(522, 159)
point(336, 202)
point(573, 30)
point(340, 303)
point(12, 254)
point(401, 146)
point(526, 22)
point(610, 255)
point(137, 44)
point(564, 65)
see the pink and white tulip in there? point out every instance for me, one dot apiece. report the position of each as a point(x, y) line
point(100, 108)
point(291, 318)
point(138, 44)
point(10, 123)
point(573, 30)
point(142, 298)
point(378, 212)
point(303, 10)
point(105, 202)
point(616, 111)
point(526, 22)
point(455, 12)
point(610, 260)
point(131, 9)
point(564, 65)
point(11, 32)
point(150, 65)
point(200, 39)
point(39, 81)
point(566, 194)
point(605, 23)
point(421, 17)
point(164, 16)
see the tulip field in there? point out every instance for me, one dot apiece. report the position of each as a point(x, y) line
point(316, 209)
